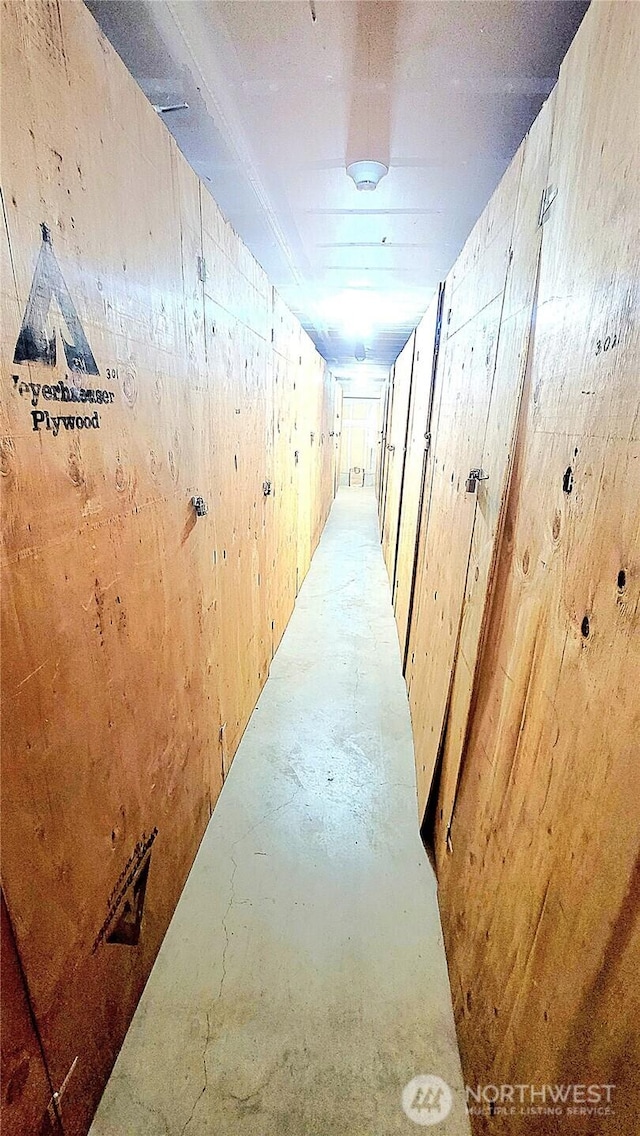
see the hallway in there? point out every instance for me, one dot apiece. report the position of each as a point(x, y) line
point(302, 982)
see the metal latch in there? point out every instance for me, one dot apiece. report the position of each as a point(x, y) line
point(54, 1107)
point(475, 475)
point(200, 506)
point(548, 197)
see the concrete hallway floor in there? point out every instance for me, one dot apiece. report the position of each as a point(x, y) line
point(302, 982)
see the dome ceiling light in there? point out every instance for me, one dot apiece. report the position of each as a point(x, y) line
point(366, 175)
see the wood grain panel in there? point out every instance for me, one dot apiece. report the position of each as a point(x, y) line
point(513, 354)
point(396, 444)
point(540, 887)
point(284, 534)
point(418, 440)
point(102, 565)
point(468, 366)
point(385, 451)
point(237, 323)
point(336, 433)
point(306, 399)
point(136, 636)
point(25, 1088)
point(361, 436)
point(381, 456)
point(318, 383)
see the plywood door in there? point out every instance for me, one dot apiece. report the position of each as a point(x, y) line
point(329, 386)
point(418, 445)
point(360, 435)
point(396, 449)
point(540, 885)
point(284, 534)
point(237, 300)
point(337, 435)
point(321, 448)
point(286, 346)
point(467, 371)
point(305, 395)
point(384, 471)
point(355, 451)
point(382, 449)
point(513, 355)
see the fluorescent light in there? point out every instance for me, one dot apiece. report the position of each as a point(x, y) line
point(360, 313)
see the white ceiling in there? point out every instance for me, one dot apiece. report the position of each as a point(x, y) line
point(441, 91)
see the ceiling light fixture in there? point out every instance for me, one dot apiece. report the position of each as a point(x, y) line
point(366, 175)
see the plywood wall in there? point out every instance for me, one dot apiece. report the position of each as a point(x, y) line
point(524, 640)
point(136, 636)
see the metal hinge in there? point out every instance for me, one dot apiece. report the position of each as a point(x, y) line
point(548, 197)
point(54, 1108)
point(202, 269)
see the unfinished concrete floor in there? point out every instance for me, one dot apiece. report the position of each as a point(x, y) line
point(302, 982)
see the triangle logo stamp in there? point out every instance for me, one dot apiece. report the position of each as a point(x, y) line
point(37, 339)
point(128, 920)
